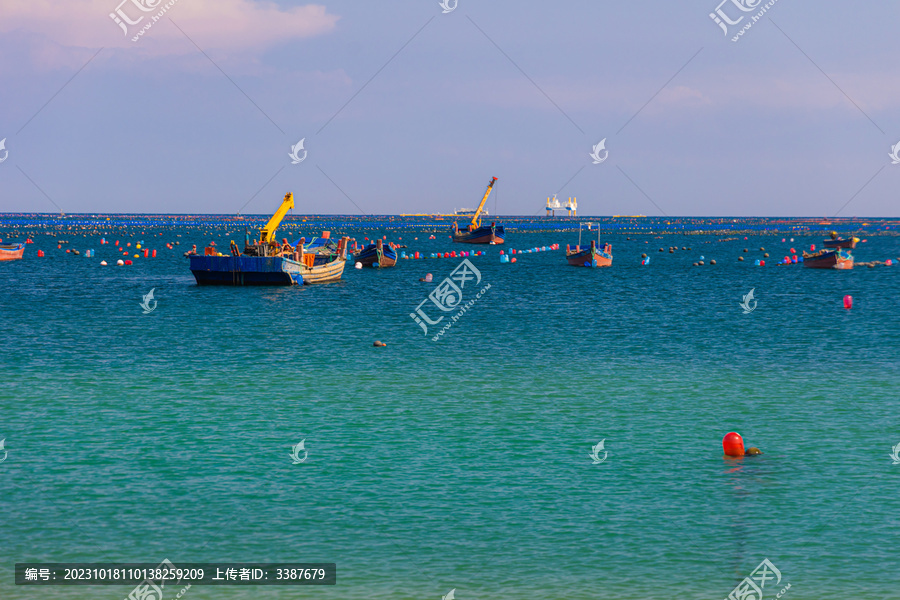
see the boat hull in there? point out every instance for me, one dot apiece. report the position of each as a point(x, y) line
point(368, 256)
point(12, 251)
point(261, 270)
point(482, 235)
point(849, 244)
point(583, 258)
point(835, 259)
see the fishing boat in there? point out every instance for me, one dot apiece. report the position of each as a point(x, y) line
point(476, 233)
point(376, 255)
point(11, 251)
point(836, 242)
point(267, 262)
point(828, 259)
point(589, 256)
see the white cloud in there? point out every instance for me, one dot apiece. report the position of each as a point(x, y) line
point(212, 24)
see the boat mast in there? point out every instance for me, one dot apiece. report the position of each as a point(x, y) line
point(476, 220)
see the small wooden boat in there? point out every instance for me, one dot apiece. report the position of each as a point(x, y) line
point(376, 254)
point(476, 233)
point(836, 242)
point(267, 262)
point(828, 259)
point(11, 251)
point(589, 256)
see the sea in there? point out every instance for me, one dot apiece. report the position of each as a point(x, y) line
point(468, 464)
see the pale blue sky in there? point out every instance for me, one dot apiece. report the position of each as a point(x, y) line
point(516, 90)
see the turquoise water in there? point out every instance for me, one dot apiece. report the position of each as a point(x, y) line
point(463, 463)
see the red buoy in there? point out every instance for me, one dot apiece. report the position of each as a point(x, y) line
point(733, 444)
point(848, 301)
point(40, 253)
point(154, 254)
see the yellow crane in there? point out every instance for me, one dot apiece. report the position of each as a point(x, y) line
point(267, 233)
point(476, 220)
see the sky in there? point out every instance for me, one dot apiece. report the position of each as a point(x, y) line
point(412, 106)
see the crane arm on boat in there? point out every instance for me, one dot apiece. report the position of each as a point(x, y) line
point(476, 220)
point(267, 233)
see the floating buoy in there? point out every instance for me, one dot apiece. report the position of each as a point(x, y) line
point(40, 253)
point(379, 344)
point(513, 259)
point(120, 262)
point(154, 254)
point(888, 262)
point(812, 247)
point(741, 258)
point(146, 252)
point(848, 302)
point(644, 255)
point(358, 265)
point(793, 251)
point(733, 444)
point(102, 263)
point(712, 262)
point(428, 278)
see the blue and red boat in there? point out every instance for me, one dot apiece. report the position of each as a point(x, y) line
point(589, 256)
point(476, 233)
point(11, 251)
point(376, 255)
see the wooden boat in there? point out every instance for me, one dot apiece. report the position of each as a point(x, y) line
point(376, 254)
point(476, 233)
point(267, 262)
point(589, 256)
point(11, 251)
point(828, 259)
point(836, 242)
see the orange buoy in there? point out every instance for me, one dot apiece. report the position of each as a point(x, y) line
point(513, 259)
point(146, 253)
point(848, 301)
point(154, 254)
point(733, 444)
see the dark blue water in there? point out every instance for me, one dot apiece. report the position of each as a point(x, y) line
point(461, 463)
